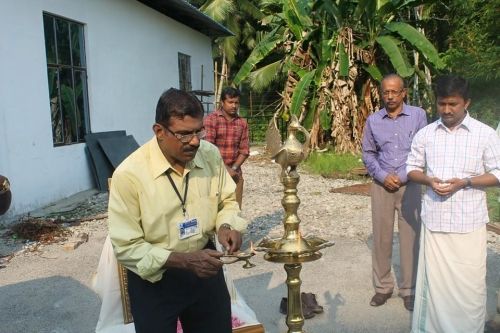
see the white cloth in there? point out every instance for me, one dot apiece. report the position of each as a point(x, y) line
point(451, 283)
point(106, 285)
point(471, 149)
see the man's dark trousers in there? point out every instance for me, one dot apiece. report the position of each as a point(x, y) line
point(202, 305)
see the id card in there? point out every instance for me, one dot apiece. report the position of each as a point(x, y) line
point(188, 228)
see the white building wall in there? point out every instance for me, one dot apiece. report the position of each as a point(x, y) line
point(131, 53)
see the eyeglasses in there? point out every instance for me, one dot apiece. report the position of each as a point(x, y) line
point(186, 138)
point(396, 93)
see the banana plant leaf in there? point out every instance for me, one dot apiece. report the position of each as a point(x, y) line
point(374, 72)
point(326, 50)
point(368, 7)
point(325, 120)
point(249, 7)
point(331, 9)
point(343, 61)
point(295, 68)
point(262, 77)
point(264, 48)
point(418, 40)
point(300, 92)
point(391, 48)
point(293, 22)
point(297, 17)
point(309, 117)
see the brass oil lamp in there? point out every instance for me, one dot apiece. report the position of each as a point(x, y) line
point(292, 249)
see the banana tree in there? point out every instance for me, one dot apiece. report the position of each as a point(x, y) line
point(332, 54)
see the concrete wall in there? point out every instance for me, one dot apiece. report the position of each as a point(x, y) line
point(131, 53)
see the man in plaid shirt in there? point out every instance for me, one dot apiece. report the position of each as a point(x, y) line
point(229, 132)
point(456, 157)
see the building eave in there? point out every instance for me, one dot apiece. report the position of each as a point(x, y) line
point(187, 14)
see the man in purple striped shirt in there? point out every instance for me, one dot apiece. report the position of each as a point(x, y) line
point(386, 143)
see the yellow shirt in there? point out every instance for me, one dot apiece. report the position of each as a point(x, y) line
point(144, 210)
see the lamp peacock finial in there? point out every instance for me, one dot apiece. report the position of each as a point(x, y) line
point(292, 152)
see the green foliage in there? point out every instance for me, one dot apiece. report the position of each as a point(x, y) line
point(393, 51)
point(343, 60)
point(484, 106)
point(471, 42)
point(374, 72)
point(300, 92)
point(239, 17)
point(262, 78)
point(263, 49)
point(257, 130)
point(325, 120)
point(332, 164)
point(493, 198)
point(418, 40)
point(466, 33)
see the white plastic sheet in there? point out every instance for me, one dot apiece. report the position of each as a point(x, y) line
point(106, 284)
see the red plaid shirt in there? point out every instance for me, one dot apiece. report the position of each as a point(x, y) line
point(230, 136)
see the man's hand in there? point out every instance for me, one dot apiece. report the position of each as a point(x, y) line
point(233, 173)
point(392, 182)
point(204, 263)
point(229, 239)
point(449, 186)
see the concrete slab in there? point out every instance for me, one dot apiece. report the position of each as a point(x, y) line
point(65, 205)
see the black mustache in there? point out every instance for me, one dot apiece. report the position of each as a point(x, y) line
point(188, 150)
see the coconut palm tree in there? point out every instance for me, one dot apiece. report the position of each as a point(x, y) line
point(240, 17)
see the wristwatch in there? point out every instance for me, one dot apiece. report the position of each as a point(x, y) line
point(226, 226)
point(468, 183)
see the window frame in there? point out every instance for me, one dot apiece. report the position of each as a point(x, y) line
point(70, 116)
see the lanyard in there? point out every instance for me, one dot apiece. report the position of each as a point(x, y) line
point(183, 201)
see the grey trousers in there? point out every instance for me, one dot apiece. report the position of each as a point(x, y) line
point(407, 203)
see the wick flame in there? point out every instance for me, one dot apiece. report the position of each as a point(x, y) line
point(252, 250)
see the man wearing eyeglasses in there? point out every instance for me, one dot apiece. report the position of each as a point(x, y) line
point(386, 143)
point(229, 132)
point(166, 201)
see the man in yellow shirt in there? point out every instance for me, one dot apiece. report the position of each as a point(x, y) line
point(166, 201)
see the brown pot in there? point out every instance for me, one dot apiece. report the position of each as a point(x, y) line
point(5, 200)
point(5, 195)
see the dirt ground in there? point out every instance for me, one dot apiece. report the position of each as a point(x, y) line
point(46, 284)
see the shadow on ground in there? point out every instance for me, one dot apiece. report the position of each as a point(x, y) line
point(492, 273)
point(49, 305)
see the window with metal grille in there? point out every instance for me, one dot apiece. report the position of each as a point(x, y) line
point(184, 72)
point(67, 76)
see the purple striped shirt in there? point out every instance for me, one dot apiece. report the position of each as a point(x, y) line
point(387, 141)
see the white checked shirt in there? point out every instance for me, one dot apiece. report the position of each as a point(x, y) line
point(471, 149)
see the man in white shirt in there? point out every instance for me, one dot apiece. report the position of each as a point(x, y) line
point(456, 157)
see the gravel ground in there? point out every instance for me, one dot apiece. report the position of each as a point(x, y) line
point(45, 288)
